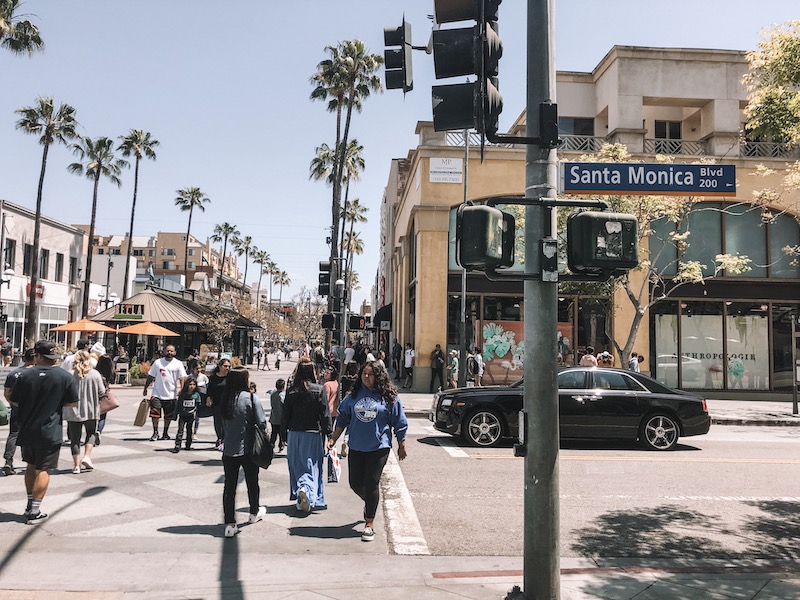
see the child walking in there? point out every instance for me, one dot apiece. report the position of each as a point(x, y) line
point(188, 403)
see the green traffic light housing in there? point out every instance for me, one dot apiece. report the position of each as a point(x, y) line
point(397, 61)
point(484, 237)
point(602, 241)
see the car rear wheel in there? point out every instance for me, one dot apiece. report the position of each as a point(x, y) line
point(659, 432)
point(483, 428)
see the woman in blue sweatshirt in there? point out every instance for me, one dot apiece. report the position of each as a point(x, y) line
point(370, 412)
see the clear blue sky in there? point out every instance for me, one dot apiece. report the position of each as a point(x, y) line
point(224, 88)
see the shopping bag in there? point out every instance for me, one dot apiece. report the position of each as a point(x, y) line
point(141, 413)
point(334, 466)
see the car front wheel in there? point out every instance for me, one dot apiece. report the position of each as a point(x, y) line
point(659, 432)
point(483, 428)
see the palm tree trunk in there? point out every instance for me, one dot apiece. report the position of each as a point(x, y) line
point(88, 275)
point(186, 251)
point(344, 218)
point(130, 231)
point(30, 324)
point(244, 283)
point(258, 296)
point(224, 250)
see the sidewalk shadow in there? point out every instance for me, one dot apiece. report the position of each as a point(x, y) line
point(339, 532)
point(209, 530)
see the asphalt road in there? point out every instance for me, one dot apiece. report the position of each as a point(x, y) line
point(729, 494)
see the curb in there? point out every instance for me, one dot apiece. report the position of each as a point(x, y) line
point(756, 421)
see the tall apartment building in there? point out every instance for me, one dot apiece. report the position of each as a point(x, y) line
point(730, 335)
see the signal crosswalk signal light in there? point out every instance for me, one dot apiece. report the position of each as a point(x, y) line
point(329, 321)
point(356, 322)
point(602, 241)
point(397, 61)
point(484, 237)
point(325, 276)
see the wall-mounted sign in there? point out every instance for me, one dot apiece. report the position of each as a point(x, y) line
point(446, 170)
point(129, 312)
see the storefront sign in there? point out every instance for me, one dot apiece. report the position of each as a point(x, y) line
point(39, 290)
point(129, 312)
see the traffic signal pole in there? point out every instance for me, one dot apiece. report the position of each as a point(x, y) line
point(541, 549)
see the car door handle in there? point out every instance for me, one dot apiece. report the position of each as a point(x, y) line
point(580, 399)
point(593, 398)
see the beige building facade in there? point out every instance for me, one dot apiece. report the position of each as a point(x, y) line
point(731, 334)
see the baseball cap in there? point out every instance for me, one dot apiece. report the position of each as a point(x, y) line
point(47, 349)
point(82, 344)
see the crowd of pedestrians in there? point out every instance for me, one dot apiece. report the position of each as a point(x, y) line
point(307, 418)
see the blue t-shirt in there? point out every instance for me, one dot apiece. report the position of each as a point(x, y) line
point(369, 420)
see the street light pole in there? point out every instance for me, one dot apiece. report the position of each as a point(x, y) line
point(108, 281)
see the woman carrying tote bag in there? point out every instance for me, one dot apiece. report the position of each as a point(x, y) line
point(240, 415)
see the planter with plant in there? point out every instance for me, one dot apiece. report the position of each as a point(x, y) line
point(138, 372)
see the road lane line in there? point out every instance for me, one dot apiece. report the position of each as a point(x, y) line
point(450, 447)
point(767, 461)
point(402, 525)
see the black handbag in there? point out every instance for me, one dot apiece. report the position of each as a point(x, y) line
point(262, 451)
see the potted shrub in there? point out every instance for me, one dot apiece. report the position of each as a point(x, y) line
point(138, 372)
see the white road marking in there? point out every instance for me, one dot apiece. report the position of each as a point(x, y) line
point(403, 529)
point(450, 447)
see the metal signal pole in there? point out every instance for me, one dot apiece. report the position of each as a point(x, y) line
point(541, 529)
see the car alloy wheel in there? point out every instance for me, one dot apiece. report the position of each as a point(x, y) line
point(659, 432)
point(483, 428)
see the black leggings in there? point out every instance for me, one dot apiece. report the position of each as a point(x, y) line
point(231, 465)
point(74, 430)
point(365, 476)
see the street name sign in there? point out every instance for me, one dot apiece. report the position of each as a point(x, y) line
point(647, 179)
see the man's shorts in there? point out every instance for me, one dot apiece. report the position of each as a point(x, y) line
point(43, 458)
point(157, 406)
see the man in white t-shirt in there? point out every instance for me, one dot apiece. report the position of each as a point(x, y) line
point(167, 375)
point(408, 363)
point(349, 353)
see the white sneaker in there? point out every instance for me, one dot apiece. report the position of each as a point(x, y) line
point(302, 500)
point(231, 530)
point(86, 463)
point(262, 510)
point(368, 535)
point(76, 470)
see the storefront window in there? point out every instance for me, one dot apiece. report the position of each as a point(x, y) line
point(705, 238)
point(702, 358)
point(501, 339)
point(784, 231)
point(592, 326)
point(784, 316)
point(663, 252)
point(746, 328)
point(746, 234)
point(566, 339)
point(665, 338)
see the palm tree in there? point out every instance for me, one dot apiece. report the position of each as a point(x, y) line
point(244, 246)
point(260, 258)
point(189, 199)
point(345, 79)
point(270, 268)
point(51, 126)
point(221, 234)
point(96, 159)
point(17, 35)
point(353, 166)
point(353, 245)
point(282, 279)
point(354, 212)
point(139, 144)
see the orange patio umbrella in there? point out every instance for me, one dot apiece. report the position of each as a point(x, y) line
point(84, 325)
point(148, 328)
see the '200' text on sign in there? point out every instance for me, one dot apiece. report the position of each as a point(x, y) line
point(648, 179)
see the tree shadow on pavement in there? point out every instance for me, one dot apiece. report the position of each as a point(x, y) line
point(687, 541)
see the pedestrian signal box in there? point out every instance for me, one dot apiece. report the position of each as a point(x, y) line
point(602, 241)
point(357, 322)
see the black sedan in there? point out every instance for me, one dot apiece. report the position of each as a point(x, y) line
point(593, 402)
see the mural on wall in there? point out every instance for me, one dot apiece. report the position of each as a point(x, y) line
point(503, 352)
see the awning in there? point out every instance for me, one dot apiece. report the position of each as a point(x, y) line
point(382, 319)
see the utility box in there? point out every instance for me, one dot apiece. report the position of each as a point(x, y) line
point(602, 241)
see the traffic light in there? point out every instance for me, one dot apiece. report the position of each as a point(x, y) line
point(325, 278)
point(397, 61)
point(484, 237)
point(330, 321)
point(472, 50)
point(602, 241)
point(356, 322)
